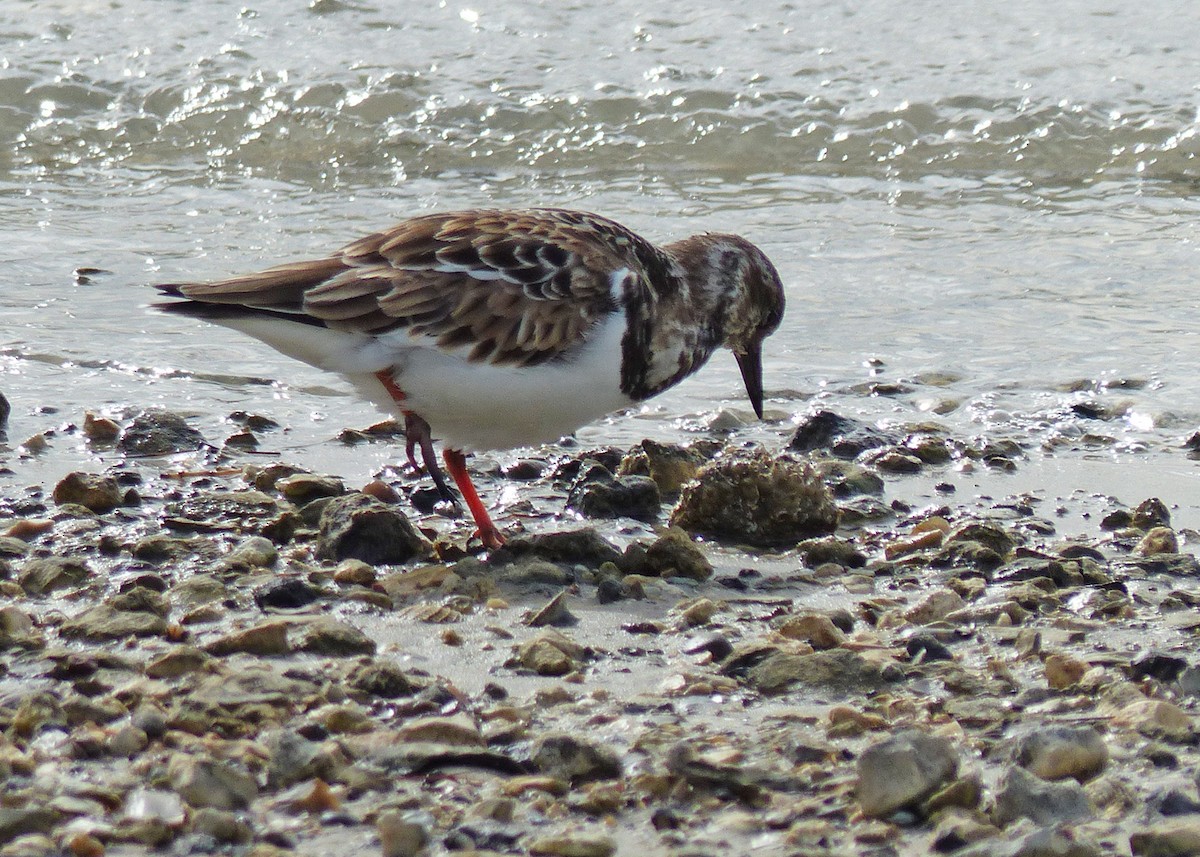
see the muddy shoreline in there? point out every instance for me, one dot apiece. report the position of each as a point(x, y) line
point(201, 656)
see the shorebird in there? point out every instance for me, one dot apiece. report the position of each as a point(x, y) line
point(499, 329)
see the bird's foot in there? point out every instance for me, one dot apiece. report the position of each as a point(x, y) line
point(417, 434)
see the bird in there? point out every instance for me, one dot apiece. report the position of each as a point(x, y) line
point(496, 329)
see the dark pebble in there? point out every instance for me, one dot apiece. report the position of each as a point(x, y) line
point(611, 589)
point(287, 594)
point(716, 644)
point(1158, 666)
point(927, 648)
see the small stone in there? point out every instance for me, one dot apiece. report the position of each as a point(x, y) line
point(1151, 513)
point(934, 607)
point(42, 576)
point(332, 637)
point(669, 465)
point(211, 783)
point(354, 572)
point(459, 731)
point(1063, 671)
point(754, 498)
point(674, 554)
point(1019, 794)
point(574, 759)
point(254, 552)
point(550, 654)
point(160, 433)
point(596, 493)
point(269, 638)
point(303, 488)
point(85, 845)
point(1158, 540)
point(128, 741)
point(104, 622)
point(1056, 752)
point(836, 669)
point(222, 825)
point(816, 629)
point(1157, 718)
point(903, 770)
point(1174, 837)
point(356, 526)
point(401, 834)
point(287, 593)
point(554, 612)
point(574, 846)
point(101, 494)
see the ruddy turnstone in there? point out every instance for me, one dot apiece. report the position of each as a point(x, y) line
point(499, 329)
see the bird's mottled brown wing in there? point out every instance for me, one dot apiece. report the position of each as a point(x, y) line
point(515, 287)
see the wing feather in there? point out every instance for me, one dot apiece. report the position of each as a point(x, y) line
point(513, 287)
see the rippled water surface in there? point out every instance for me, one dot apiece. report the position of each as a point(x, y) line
point(991, 212)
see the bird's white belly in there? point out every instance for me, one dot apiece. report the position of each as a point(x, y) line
point(478, 406)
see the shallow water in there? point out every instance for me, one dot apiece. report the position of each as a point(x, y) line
point(992, 208)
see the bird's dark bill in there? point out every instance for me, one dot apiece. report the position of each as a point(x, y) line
point(751, 365)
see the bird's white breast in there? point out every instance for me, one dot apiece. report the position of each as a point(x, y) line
point(478, 406)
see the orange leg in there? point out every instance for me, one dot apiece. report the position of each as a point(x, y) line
point(456, 463)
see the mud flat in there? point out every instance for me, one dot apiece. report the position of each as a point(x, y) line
point(709, 649)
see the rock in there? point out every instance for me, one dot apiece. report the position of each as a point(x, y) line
point(43, 576)
point(104, 622)
point(401, 834)
point(254, 552)
point(332, 637)
point(360, 527)
point(5, 410)
point(211, 783)
point(1157, 718)
point(575, 845)
point(550, 653)
point(674, 554)
point(269, 638)
point(287, 593)
point(993, 537)
point(1056, 752)
point(382, 679)
point(836, 669)
point(553, 612)
point(585, 546)
point(754, 498)
point(160, 433)
point(221, 825)
point(24, 820)
point(459, 731)
point(596, 493)
point(1063, 671)
point(574, 759)
point(1151, 513)
point(934, 607)
point(303, 488)
point(295, 759)
point(816, 629)
point(1058, 841)
point(1175, 837)
point(669, 465)
point(99, 493)
point(1019, 794)
point(128, 741)
point(1158, 540)
point(903, 770)
point(841, 436)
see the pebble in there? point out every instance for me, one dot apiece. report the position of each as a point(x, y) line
point(574, 759)
point(160, 433)
point(751, 497)
point(902, 770)
point(43, 575)
point(99, 493)
point(674, 554)
point(1174, 837)
point(816, 629)
point(1058, 752)
point(401, 834)
point(1020, 794)
point(574, 846)
point(1157, 718)
point(211, 783)
point(356, 526)
point(550, 653)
